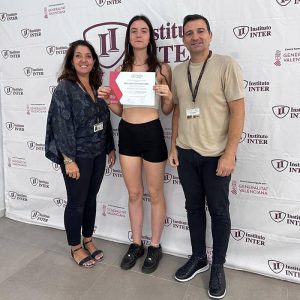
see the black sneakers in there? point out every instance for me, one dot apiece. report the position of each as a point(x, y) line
point(191, 268)
point(134, 252)
point(152, 259)
point(217, 282)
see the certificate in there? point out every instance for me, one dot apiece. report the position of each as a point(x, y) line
point(132, 88)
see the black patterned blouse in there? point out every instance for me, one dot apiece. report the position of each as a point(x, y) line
point(70, 124)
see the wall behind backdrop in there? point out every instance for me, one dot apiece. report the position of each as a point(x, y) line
point(263, 36)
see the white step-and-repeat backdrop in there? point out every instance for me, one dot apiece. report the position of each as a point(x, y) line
point(263, 36)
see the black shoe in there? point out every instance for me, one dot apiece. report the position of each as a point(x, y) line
point(191, 268)
point(217, 282)
point(152, 259)
point(134, 252)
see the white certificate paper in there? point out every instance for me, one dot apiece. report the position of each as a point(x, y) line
point(133, 88)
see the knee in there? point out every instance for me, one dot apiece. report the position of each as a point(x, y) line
point(191, 211)
point(74, 209)
point(135, 196)
point(156, 196)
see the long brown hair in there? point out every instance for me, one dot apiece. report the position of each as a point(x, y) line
point(152, 60)
point(68, 72)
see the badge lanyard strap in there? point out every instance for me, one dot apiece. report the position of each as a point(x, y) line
point(95, 102)
point(195, 92)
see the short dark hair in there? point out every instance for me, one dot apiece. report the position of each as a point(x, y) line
point(68, 72)
point(194, 17)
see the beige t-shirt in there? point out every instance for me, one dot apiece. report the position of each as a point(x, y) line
point(221, 82)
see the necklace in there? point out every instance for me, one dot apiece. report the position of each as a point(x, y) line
point(139, 65)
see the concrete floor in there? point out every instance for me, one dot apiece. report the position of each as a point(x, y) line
point(35, 264)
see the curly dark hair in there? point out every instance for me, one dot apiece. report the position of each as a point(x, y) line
point(152, 60)
point(69, 73)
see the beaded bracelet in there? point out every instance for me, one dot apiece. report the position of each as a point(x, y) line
point(67, 161)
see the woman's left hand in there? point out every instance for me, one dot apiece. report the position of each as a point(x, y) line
point(111, 158)
point(163, 90)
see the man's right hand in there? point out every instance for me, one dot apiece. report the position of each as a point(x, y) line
point(173, 157)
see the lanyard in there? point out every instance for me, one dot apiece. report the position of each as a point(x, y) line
point(194, 93)
point(96, 104)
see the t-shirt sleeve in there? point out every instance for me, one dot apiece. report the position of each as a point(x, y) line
point(233, 81)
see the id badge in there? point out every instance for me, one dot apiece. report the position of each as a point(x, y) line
point(98, 127)
point(192, 113)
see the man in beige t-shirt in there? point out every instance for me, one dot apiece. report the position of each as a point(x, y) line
point(207, 124)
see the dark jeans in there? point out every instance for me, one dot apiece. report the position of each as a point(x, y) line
point(199, 181)
point(80, 212)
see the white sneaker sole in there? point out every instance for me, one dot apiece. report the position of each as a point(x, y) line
point(194, 274)
point(217, 297)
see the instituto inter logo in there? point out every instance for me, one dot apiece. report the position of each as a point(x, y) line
point(36, 215)
point(55, 166)
point(60, 202)
point(17, 196)
point(113, 172)
point(101, 3)
point(254, 32)
point(275, 266)
point(257, 86)
point(30, 33)
point(39, 183)
point(9, 90)
point(14, 127)
point(56, 50)
point(177, 224)
point(34, 72)
point(282, 111)
point(279, 267)
point(286, 2)
point(172, 179)
point(277, 216)
point(35, 146)
point(52, 89)
point(248, 237)
point(285, 218)
point(254, 138)
point(8, 16)
point(11, 54)
point(110, 37)
point(281, 165)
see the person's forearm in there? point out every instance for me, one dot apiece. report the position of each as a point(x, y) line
point(175, 119)
point(236, 125)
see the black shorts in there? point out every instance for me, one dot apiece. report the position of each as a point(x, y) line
point(145, 140)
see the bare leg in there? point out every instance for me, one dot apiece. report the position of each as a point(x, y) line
point(155, 183)
point(132, 173)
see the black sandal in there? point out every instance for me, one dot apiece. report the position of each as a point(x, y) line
point(95, 253)
point(84, 260)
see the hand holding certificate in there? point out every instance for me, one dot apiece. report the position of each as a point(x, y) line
point(132, 88)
